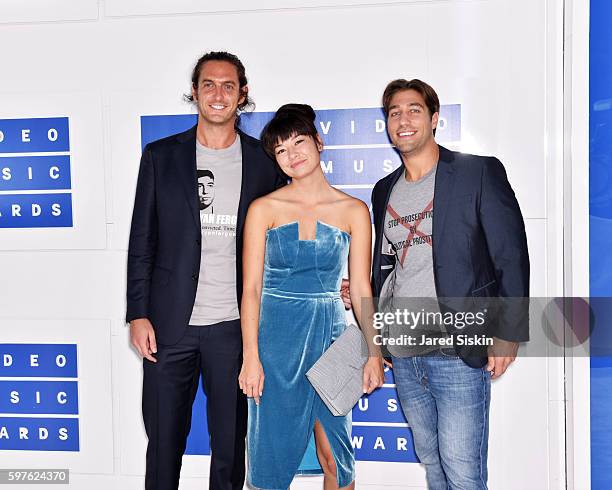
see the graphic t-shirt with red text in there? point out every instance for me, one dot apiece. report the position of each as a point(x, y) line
point(408, 228)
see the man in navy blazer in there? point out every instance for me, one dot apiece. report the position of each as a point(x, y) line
point(184, 279)
point(448, 227)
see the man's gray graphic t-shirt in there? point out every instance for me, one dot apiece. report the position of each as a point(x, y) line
point(219, 182)
point(408, 228)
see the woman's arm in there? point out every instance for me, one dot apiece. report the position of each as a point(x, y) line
point(251, 378)
point(360, 256)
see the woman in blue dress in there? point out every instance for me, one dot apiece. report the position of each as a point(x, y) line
point(296, 243)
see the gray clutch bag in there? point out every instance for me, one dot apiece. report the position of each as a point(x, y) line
point(338, 374)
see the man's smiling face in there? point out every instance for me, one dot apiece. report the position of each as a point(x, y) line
point(409, 123)
point(218, 93)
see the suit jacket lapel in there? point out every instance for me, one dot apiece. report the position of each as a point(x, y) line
point(248, 178)
point(379, 220)
point(185, 158)
point(395, 176)
point(445, 178)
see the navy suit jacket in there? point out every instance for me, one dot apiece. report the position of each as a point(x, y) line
point(479, 243)
point(165, 240)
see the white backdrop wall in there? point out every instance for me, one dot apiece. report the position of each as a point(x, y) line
point(103, 64)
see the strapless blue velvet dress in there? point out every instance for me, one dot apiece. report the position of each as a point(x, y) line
point(301, 315)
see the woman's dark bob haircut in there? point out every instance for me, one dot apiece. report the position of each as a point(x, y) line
point(290, 120)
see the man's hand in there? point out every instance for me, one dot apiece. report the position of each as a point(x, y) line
point(345, 294)
point(143, 338)
point(373, 374)
point(501, 354)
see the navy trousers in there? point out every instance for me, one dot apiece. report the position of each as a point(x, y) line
point(169, 389)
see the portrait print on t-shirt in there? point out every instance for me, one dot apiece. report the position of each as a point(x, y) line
point(206, 190)
point(217, 215)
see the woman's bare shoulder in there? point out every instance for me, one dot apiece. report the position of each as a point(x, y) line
point(351, 205)
point(268, 207)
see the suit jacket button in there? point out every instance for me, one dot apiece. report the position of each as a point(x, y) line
point(194, 277)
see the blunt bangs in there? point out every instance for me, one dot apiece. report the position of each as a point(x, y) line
point(285, 126)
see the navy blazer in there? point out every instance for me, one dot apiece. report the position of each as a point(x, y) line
point(165, 239)
point(479, 242)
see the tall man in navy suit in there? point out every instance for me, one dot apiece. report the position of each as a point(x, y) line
point(184, 279)
point(448, 227)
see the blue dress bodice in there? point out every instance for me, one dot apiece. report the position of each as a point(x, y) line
point(305, 266)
